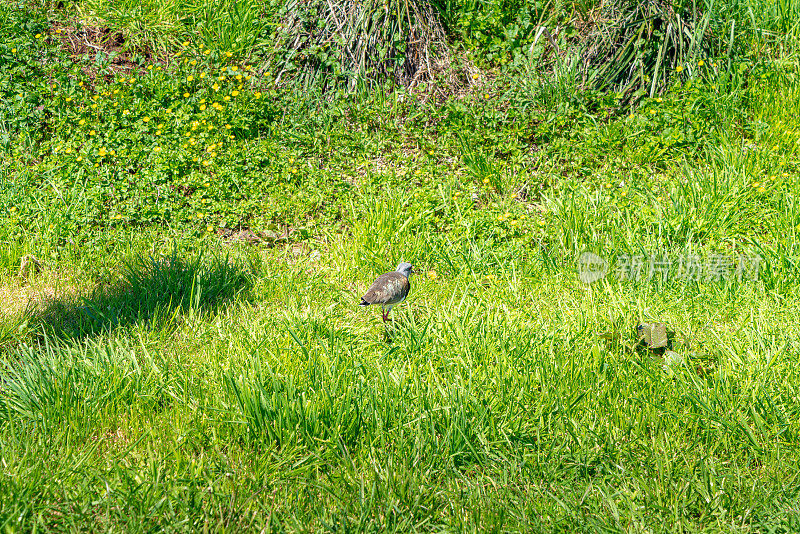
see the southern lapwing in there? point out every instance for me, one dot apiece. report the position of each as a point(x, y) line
point(389, 289)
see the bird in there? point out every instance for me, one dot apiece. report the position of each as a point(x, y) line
point(389, 289)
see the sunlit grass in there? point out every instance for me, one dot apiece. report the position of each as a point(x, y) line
point(163, 374)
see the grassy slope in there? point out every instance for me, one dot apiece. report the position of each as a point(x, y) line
point(244, 388)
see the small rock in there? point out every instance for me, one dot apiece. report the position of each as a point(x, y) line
point(654, 335)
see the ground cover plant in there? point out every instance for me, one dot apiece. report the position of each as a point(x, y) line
point(187, 351)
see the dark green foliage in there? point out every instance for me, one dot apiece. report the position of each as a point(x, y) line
point(495, 30)
point(27, 66)
point(191, 357)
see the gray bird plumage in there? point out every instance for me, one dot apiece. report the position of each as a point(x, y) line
point(389, 289)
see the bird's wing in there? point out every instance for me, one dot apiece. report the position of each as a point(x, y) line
point(389, 288)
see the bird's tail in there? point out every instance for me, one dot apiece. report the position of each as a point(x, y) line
point(363, 302)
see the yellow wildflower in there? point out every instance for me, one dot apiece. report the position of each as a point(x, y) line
point(235, 93)
point(189, 78)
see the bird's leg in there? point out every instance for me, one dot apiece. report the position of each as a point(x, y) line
point(384, 313)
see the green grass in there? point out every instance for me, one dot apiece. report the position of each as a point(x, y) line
point(158, 375)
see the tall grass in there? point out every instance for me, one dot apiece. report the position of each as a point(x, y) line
point(363, 43)
point(144, 25)
point(243, 389)
point(241, 27)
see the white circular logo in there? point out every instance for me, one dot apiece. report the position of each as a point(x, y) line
point(591, 267)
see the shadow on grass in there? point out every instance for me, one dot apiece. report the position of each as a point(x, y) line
point(156, 292)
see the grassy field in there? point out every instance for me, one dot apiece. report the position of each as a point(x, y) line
point(190, 354)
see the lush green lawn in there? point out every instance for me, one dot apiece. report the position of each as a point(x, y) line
point(161, 374)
